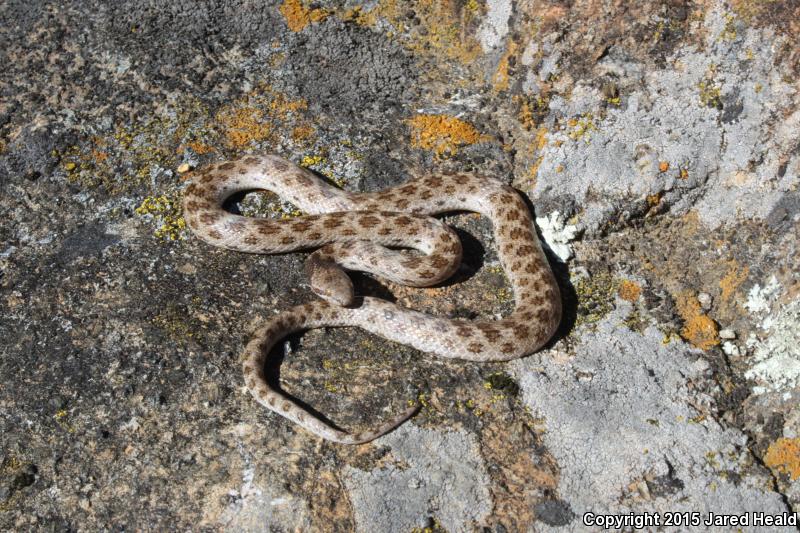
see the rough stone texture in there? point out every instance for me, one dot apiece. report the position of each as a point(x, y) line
point(658, 141)
point(627, 422)
point(432, 474)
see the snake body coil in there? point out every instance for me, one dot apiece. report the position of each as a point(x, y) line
point(358, 232)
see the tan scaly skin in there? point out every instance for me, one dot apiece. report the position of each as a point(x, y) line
point(355, 231)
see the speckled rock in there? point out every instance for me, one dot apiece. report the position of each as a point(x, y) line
point(657, 142)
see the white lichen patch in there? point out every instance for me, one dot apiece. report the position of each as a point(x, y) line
point(777, 357)
point(557, 233)
point(495, 25)
point(759, 299)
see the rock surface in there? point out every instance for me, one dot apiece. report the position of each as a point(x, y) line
point(658, 142)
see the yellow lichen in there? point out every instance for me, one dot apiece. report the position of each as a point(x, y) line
point(783, 455)
point(698, 329)
point(167, 212)
point(299, 16)
point(442, 134)
point(581, 127)
point(311, 160)
point(172, 319)
point(147, 147)
point(532, 110)
point(61, 418)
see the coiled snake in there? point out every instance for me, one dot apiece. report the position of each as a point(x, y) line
point(361, 232)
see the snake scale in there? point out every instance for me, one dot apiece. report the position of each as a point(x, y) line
point(365, 231)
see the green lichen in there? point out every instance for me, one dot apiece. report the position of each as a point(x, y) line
point(502, 293)
point(729, 32)
point(167, 213)
point(17, 474)
point(532, 109)
point(422, 401)
point(611, 93)
point(711, 460)
point(710, 93)
point(135, 154)
point(658, 32)
point(596, 295)
point(268, 204)
point(635, 321)
point(669, 336)
point(61, 419)
point(501, 382)
point(434, 527)
point(312, 160)
point(581, 128)
point(173, 320)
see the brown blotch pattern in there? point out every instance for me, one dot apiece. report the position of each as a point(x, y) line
point(332, 223)
point(474, 347)
point(537, 306)
point(368, 221)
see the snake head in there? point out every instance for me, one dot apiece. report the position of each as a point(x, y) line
point(329, 281)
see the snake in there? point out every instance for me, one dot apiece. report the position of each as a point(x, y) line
point(392, 234)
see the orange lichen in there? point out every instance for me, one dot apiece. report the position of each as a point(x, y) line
point(243, 126)
point(500, 79)
point(438, 26)
point(653, 199)
point(282, 106)
point(783, 455)
point(732, 280)
point(254, 116)
point(533, 171)
point(298, 16)
point(302, 133)
point(442, 134)
point(663, 166)
point(698, 329)
point(541, 138)
point(200, 148)
point(629, 290)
